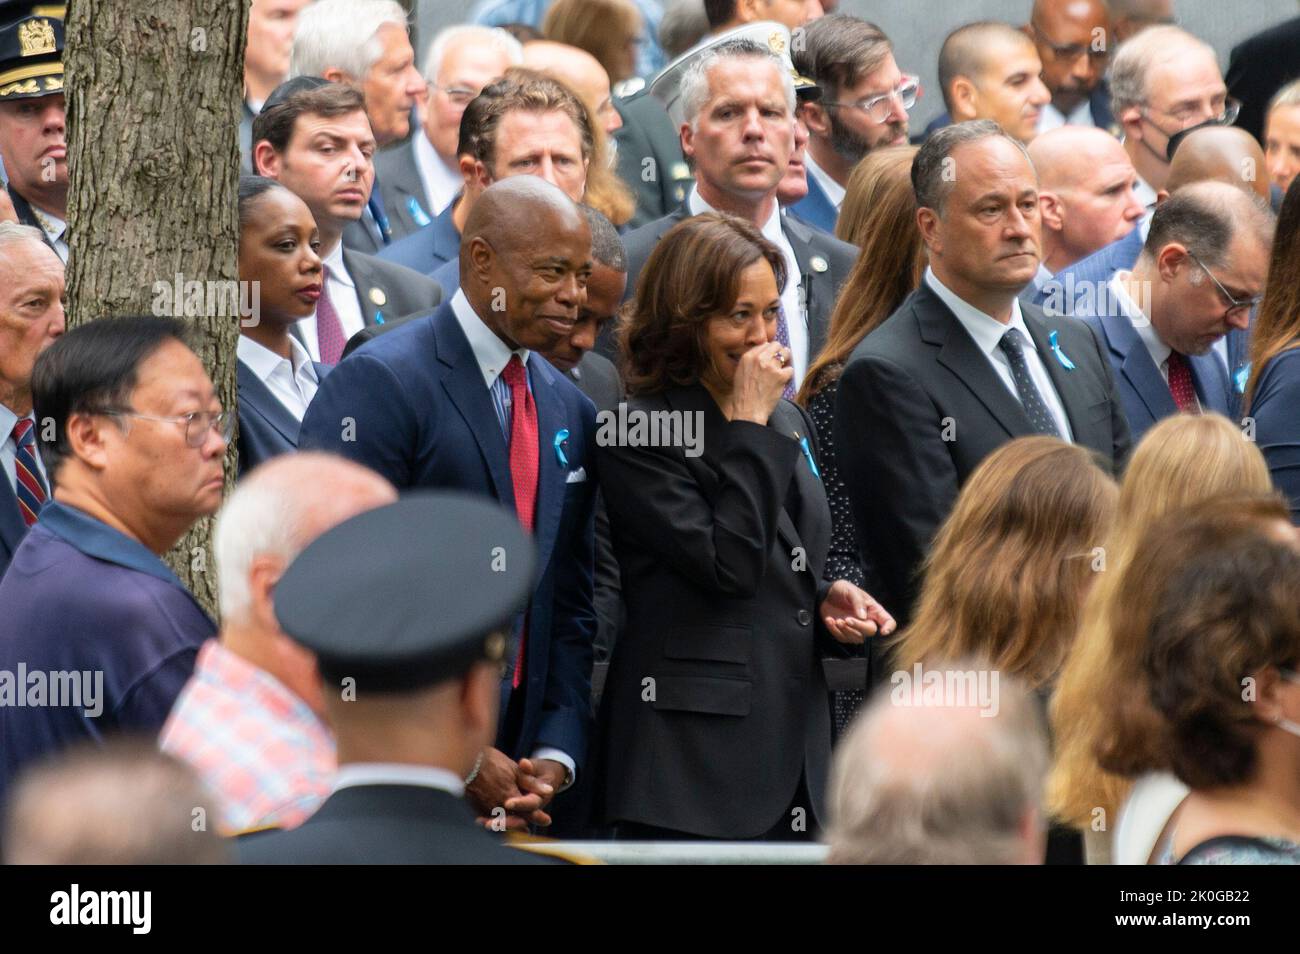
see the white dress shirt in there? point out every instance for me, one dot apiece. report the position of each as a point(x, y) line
point(792, 296)
point(9, 448)
point(398, 773)
point(492, 355)
point(343, 296)
point(834, 191)
point(292, 380)
point(987, 332)
point(1147, 196)
point(441, 184)
point(1049, 117)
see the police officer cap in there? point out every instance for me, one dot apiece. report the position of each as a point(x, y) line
point(31, 49)
point(410, 594)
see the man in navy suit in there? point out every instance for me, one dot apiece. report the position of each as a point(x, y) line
point(863, 106)
point(31, 318)
point(104, 631)
point(460, 400)
point(1201, 271)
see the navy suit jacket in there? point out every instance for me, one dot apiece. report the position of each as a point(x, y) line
point(816, 208)
point(266, 428)
point(81, 597)
point(1277, 426)
point(1085, 278)
point(427, 247)
point(412, 405)
point(12, 526)
point(1142, 390)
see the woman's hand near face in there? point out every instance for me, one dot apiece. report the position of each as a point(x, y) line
point(761, 377)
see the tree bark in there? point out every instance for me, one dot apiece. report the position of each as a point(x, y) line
point(153, 91)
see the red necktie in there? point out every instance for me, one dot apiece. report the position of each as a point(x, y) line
point(1180, 383)
point(30, 490)
point(523, 466)
point(329, 330)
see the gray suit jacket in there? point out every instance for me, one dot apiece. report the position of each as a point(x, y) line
point(402, 189)
point(650, 158)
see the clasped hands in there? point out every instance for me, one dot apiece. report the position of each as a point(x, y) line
point(521, 789)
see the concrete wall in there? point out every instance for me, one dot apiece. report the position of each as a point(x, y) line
point(918, 27)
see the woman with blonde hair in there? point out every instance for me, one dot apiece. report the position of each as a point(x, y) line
point(881, 202)
point(607, 29)
point(1105, 728)
point(1007, 574)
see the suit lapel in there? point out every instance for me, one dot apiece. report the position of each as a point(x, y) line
point(1070, 387)
point(960, 355)
point(1137, 367)
point(257, 397)
point(1211, 382)
point(464, 385)
point(367, 286)
point(12, 526)
point(551, 475)
point(819, 289)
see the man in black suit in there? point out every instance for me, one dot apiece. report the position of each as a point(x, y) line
point(1260, 66)
point(33, 129)
point(1073, 41)
point(314, 137)
point(962, 366)
point(412, 694)
point(31, 317)
point(740, 156)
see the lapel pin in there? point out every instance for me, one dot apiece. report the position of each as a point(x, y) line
point(1240, 378)
point(378, 297)
point(807, 455)
point(561, 437)
point(418, 214)
point(1061, 356)
point(379, 317)
point(818, 263)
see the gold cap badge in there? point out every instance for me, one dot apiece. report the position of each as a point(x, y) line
point(36, 37)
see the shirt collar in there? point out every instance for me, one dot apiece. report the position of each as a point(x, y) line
point(398, 773)
point(235, 674)
point(834, 191)
point(7, 421)
point(490, 352)
point(263, 362)
point(985, 329)
point(438, 178)
point(338, 271)
point(771, 229)
point(1158, 350)
point(97, 539)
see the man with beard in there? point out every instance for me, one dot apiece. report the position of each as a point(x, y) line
point(863, 106)
point(1072, 40)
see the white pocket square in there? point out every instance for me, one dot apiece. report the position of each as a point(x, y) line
point(576, 476)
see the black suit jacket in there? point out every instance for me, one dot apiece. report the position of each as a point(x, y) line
point(1260, 66)
point(26, 216)
point(387, 292)
point(650, 158)
point(919, 406)
point(12, 526)
point(385, 825)
point(722, 557)
point(824, 265)
point(399, 185)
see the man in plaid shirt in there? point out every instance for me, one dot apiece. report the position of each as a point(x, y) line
point(250, 719)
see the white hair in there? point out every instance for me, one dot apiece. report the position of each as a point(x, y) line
point(342, 34)
point(693, 90)
point(11, 233)
point(1133, 61)
point(485, 36)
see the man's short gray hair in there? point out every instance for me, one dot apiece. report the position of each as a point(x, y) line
point(11, 233)
point(342, 34)
point(933, 175)
point(1134, 59)
point(929, 784)
point(694, 88)
point(481, 35)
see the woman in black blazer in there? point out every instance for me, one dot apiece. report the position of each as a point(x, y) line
point(714, 721)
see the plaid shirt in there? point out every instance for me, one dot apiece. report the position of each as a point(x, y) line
point(260, 749)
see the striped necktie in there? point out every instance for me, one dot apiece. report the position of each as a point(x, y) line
point(28, 485)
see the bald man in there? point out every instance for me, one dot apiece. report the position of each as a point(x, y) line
point(1086, 198)
point(1073, 42)
point(1131, 17)
point(460, 399)
point(581, 72)
point(253, 708)
point(990, 70)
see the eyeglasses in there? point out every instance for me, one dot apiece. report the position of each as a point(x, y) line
point(197, 423)
point(879, 108)
point(1186, 116)
point(1234, 304)
point(457, 95)
point(1069, 52)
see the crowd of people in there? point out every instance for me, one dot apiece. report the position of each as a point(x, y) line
point(624, 374)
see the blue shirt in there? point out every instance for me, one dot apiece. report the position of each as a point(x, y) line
point(94, 613)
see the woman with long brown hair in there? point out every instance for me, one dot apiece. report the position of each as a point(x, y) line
point(607, 29)
point(879, 215)
point(1273, 389)
point(1104, 728)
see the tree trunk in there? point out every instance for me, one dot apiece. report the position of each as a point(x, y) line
point(153, 91)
